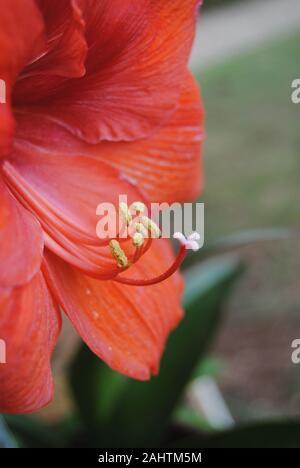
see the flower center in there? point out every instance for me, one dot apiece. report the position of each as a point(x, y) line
point(143, 230)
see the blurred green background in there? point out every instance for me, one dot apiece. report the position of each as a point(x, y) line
point(252, 167)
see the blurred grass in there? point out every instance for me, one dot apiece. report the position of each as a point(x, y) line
point(252, 153)
point(207, 4)
point(252, 171)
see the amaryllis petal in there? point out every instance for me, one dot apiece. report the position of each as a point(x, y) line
point(138, 53)
point(21, 242)
point(29, 324)
point(7, 126)
point(21, 33)
point(165, 167)
point(64, 194)
point(125, 326)
point(63, 55)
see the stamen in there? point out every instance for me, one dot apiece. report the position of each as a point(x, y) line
point(124, 210)
point(138, 239)
point(151, 226)
point(190, 242)
point(194, 236)
point(139, 227)
point(185, 245)
point(118, 253)
point(140, 251)
point(138, 207)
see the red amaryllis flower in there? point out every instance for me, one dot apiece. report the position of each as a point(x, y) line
point(99, 103)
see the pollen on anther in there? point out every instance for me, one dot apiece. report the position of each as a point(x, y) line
point(138, 239)
point(139, 207)
point(118, 253)
point(140, 228)
point(151, 226)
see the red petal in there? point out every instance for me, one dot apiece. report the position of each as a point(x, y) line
point(138, 53)
point(166, 167)
point(20, 34)
point(7, 127)
point(29, 324)
point(125, 326)
point(63, 55)
point(21, 242)
point(64, 192)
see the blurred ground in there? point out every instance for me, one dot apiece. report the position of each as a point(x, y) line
point(252, 163)
point(258, 378)
point(236, 26)
point(252, 166)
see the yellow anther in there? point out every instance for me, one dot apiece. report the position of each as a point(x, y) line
point(124, 210)
point(138, 207)
point(151, 226)
point(138, 239)
point(139, 227)
point(118, 253)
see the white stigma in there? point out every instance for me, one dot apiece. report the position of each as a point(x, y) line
point(189, 242)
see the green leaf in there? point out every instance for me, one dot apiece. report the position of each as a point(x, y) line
point(95, 387)
point(127, 413)
point(187, 417)
point(33, 433)
point(209, 367)
point(279, 434)
point(6, 438)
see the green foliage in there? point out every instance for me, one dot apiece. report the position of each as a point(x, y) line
point(125, 413)
point(6, 438)
point(31, 432)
